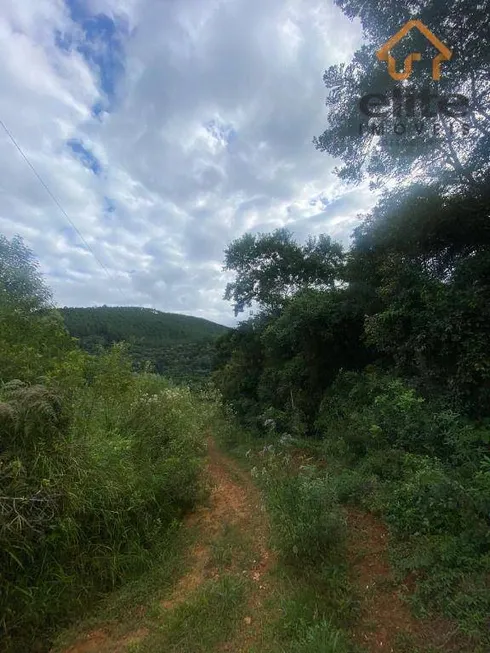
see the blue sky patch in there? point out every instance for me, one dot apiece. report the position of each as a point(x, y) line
point(85, 156)
point(108, 210)
point(109, 205)
point(101, 45)
point(221, 131)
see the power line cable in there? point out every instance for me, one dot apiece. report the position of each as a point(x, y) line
point(55, 200)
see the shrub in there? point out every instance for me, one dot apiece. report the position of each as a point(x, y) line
point(426, 500)
point(429, 499)
point(90, 482)
point(384, 464)
point(425, 468)
point(308, 522)
point(353, 486)
point(371, 411)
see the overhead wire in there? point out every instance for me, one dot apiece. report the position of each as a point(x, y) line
point(60, 207)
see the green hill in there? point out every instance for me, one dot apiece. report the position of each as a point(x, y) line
point(178, 346)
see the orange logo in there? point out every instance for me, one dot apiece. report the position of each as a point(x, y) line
point(384, 53)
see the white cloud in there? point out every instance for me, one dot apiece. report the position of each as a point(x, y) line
point(206, 111)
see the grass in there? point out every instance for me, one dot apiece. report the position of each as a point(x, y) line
point(321, 637)
point(318, 606)
point(307, 602)
point(312, 605)
point(186, 602)
point(200, 623)
point(296, 605)
point(304, 607)
point(137, 603)
point(231, 548)
point(206, 618)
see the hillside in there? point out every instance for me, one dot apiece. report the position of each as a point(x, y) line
point(178, 346)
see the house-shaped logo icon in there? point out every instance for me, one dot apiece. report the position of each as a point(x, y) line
point(384, 53)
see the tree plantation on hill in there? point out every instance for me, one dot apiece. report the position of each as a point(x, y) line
point(178, 346)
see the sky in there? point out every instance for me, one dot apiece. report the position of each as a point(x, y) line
point(166, 129)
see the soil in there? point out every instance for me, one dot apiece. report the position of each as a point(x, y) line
point(385, 620)
point(385, 617)
point(233, 501)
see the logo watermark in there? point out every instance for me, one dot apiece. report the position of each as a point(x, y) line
point(384, 53)
point(404, 117)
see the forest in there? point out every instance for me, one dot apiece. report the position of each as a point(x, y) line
point(179, 347)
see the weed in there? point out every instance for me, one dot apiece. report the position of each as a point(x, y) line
point(308, 521)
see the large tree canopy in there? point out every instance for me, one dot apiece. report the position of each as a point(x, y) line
point(270, 268)
point(414, 297)
point(448, 155)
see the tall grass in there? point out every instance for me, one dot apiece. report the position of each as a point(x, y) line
point(93, 472)
point(308, 523)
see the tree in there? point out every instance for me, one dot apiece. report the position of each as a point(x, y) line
point(458, 160)
point(317, 334)
point(270, 268)
point(420, 222)
point(238, 365)
point(426, 259)
point(21, 283)
point(33, 339)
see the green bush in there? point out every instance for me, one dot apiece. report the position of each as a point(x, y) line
point(431, 499)
point(384, 464)
point(91, 481)
point(353, 486)
point(423, 467)
point(426, 500)
point(362, 413)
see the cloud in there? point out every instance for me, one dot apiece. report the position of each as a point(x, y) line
point(165, 130)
